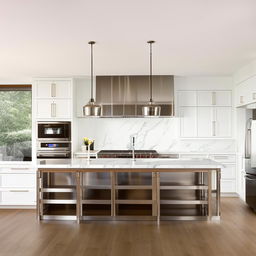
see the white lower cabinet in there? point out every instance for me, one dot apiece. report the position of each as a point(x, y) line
point(228, 186)
point(17, 188)
point(18, 197)
point(228, 172)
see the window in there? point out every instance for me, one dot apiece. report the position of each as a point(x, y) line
point(15, 122)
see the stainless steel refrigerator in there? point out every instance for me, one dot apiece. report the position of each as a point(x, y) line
point(250, 165)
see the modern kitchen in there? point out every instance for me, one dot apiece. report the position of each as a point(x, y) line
point(137, 144)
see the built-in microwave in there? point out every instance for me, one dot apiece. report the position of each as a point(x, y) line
point(54, 131)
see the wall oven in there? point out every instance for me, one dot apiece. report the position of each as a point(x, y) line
point(54, 131)
point(53, 140)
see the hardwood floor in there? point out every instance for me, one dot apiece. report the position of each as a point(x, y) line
point(235, 234)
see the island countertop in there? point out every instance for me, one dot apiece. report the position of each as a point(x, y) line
point(138, 164)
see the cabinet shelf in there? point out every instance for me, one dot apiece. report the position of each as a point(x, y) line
point(131, 187)
point(104, 187)
point(196, 187)
point(95, 201)
point(54, 201)
point(60, 190)
point(134, 201)
point(183, 202)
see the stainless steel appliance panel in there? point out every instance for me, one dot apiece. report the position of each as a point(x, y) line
point(251, 190)
point(253, 143)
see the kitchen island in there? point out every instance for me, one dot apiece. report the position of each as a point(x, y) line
point(127, 189)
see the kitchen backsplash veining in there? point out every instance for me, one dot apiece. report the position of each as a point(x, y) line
point(161, 134)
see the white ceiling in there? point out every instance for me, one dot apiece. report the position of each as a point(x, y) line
point(199, 37)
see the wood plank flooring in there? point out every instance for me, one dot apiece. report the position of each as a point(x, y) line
point(21, 234)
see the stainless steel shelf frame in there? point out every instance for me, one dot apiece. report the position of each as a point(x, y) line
point(128, 194)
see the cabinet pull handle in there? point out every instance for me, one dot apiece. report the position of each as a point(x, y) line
point(53, 109)
point(53, 90)
point(254, 96)
point(241, 99)
point(213, 98)
point(213, 128)
point(19, 190)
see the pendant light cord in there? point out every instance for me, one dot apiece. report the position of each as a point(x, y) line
point(92, 43)
point(150, 70)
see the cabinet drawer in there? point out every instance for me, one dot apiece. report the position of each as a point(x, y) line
point(228, 172)
point(228, 186)
point(18, 180)
point(224, 158)
point(193, 156)
point(18, 197)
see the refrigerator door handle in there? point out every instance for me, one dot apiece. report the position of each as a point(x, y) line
point(248, 140)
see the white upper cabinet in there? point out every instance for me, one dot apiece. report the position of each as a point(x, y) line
point(58, 108)
point(53, 89)
point(223, 122)
point(246, 92)
point(205, 117)
point(187, 98)
point(214, 98)
point(53, 99)
point(205, 114)
point(223, 98)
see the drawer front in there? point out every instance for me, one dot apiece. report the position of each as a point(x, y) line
point(18, 197)
point(193, 156)
point(18, 180)
point(228, 186)
point(224, 158)
point(228, 172)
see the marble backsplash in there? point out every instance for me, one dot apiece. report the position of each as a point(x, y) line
point(161, 134)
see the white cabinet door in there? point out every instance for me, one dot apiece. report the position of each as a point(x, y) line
point(53, 89)
point(214, 98)
point(252, 90)
point(188, 126)
point(20, 196)
point(187, 98)
point(44, 89)
point(205, 98)
point(223, 122)
point(228, 186)
point(58, 108)
point(205, 121)
point(44, 108)
point(62, 108)
point(63, 89)
point(17, 180)
point(223, 98)
point(228, 172)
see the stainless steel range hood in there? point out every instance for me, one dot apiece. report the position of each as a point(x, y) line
point(124, 96)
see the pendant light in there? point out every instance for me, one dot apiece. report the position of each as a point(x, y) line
point(151, 109)
point(91, 108)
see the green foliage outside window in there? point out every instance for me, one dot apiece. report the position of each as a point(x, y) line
point(15, 125)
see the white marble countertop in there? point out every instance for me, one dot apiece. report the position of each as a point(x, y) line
point(114, 163)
